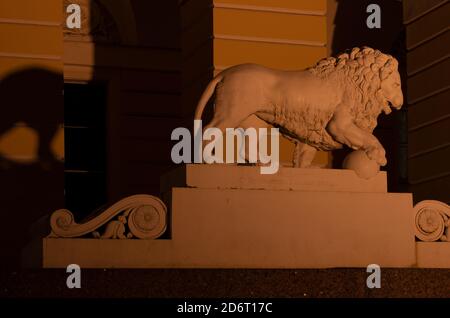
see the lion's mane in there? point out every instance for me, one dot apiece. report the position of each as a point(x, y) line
point(363, 70)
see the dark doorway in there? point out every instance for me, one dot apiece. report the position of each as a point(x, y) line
point(85, 186)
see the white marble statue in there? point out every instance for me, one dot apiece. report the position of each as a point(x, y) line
point(334, 103)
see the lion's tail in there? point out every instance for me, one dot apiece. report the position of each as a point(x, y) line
point(209, 91)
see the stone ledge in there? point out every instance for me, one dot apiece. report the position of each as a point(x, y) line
point(222, 176)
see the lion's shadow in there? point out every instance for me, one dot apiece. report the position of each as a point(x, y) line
point(29, 190)
point(33, 97)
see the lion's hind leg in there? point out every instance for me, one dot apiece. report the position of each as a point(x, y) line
point(224, 121)
point(303, 155)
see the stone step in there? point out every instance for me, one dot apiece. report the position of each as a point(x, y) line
point(227, 176)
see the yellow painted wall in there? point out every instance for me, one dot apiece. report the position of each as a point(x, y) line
point(276, 55)
point(30, 37)
point(272, 26)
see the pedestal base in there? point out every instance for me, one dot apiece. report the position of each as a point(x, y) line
point(433, 254)
point(244, 228)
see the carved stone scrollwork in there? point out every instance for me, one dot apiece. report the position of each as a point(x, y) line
point(139, 216)
point(432, 219)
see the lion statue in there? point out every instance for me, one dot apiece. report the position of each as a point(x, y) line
point(334, 103)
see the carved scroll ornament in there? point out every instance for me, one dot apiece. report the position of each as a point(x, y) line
point(432, 219)
point(139, 216)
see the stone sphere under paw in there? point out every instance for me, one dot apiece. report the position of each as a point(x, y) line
point(364, 167)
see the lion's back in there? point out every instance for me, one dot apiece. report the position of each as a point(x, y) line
point(249, 76)
point(307, 107)
point(296, 101)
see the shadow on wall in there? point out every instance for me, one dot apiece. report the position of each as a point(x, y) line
point(350, 30)
point(31, 167)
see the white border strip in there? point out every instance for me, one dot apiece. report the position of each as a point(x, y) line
point(269, 9)
point(31, 56)
point(269, 40)
point(30, 22)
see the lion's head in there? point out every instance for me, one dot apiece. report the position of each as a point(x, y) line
point(372, 79)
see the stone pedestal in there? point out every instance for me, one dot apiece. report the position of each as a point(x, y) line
point(224, 216)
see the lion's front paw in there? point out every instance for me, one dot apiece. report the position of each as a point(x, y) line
point(378, 154)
